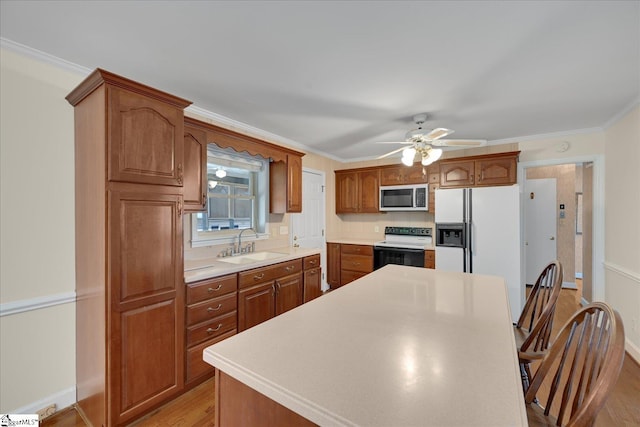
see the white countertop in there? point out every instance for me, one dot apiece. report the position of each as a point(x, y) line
point(402, 346)
point(206, 268)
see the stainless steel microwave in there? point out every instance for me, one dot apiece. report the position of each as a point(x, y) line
point(411, 197)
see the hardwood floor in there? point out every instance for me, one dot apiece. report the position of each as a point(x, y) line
point(196, 408)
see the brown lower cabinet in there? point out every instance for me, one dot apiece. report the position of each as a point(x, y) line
point(312, 280)
point(347, 262)
point(429, 259)
point(266, 292)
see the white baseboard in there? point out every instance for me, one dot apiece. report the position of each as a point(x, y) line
point(62, 399)
point(633, 351)
point(584, 302)
point(569, 285)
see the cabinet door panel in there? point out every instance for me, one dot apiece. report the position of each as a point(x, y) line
point(369, 191)
point(294, 183)
point(347, 192)
point(333, 265)
point(312, 284)
point(391, 176)
point(145, 140)
point(288, 293)
point(456, 174)
point(195, 170)
point(147, 357)
point(146, 246)
point(255, 305)
point(498, 171)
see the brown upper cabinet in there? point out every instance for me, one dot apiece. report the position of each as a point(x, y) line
point(285, 167)
point(285, 185)
point(398, 175)
point(145, 139)
point(195, 168)
point(357, 191)
point(477, 171)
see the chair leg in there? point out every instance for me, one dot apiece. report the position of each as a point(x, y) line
point(524, 373)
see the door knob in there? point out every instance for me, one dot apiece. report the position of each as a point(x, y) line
point(552, 238)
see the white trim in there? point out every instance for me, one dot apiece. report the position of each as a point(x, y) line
point(613, 120)
point(569, 285)
point(622, 271)
point(43, 57)
point(551, 135)
point(598, 278)
point(61, 399)
point(632, 350)
point(584, 302)
point(21, 306)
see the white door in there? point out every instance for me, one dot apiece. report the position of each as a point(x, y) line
point(307, 228)
point(539, 226)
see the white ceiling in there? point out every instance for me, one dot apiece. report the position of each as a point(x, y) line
point(337, 77)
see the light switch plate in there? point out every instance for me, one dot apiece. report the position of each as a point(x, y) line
point(284, 230)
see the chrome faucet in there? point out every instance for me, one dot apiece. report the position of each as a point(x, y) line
point(239, 250)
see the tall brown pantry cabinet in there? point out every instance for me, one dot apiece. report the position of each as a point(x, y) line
point(129, 204)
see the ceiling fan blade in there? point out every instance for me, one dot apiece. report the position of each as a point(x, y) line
point(459, 142)
point(438, 133)
point(391, 152)
point(394, 142)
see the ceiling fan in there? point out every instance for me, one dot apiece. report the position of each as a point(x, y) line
point(422, 141)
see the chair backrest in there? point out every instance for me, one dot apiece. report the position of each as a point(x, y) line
point(537, 314)
point(581, 367)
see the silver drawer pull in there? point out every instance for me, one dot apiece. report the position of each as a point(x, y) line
point(258, 276)
point(290, 268)
point(210, 331)
point(312, 262)
point(216, 289)
point(356, 263)
point(209, 309)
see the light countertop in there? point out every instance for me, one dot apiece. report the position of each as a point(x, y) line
point(206, 268)
point(402, 346)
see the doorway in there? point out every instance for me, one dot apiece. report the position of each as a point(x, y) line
point(571, 214)
point(307, 227)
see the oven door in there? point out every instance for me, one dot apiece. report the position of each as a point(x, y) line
point(401, 256)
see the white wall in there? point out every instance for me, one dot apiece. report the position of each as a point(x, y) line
point(37, 348)
point(622, 224)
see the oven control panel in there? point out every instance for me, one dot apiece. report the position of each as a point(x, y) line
point(408, 231)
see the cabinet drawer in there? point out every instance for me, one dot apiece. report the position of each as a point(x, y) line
point(209, 309)
point(312, 261)
point(260, 275)
point(356, 249)
point(211, 288)
point(349, 276)
point(197, 367)
point(361, 263)
point(211, 329)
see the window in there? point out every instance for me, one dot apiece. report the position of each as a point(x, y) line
point(237, 197)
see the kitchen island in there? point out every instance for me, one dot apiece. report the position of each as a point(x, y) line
point(402, 346)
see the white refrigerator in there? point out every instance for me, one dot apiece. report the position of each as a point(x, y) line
point(478, 231)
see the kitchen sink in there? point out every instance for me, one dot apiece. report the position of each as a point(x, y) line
point(252, 257)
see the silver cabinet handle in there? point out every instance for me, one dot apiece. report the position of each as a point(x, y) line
point(209, 330)
point(290, 267)
point(209, 309)
point(216, 289)
point(258, 276)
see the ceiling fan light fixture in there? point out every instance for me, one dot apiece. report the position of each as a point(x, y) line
point(431, 156)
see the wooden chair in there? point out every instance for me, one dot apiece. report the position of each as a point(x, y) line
point(580, 369)
point(533, 329)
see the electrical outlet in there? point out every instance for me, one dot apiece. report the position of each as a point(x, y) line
point(376, 229)
point(46, 411)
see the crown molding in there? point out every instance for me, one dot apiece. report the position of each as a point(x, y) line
point(44, 57)
point(552, 135)
point(613, 120)
point(231, 124)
